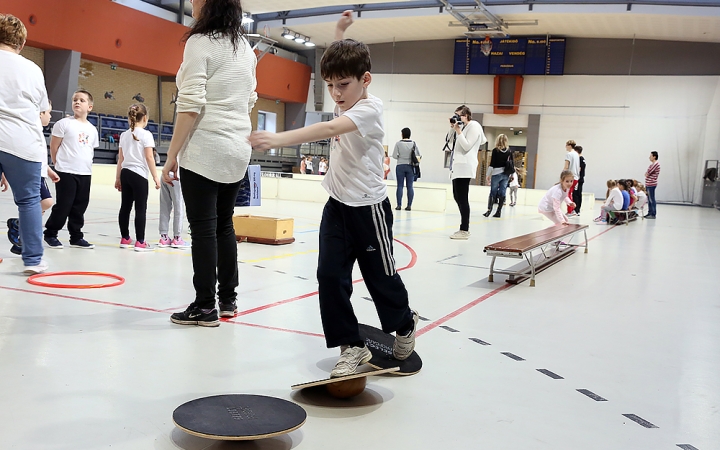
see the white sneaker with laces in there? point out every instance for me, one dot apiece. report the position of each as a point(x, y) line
point(34, 270)
point(404, 345)
point(460, 234)
point(349, 361)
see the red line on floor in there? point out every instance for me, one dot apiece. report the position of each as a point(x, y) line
point(143, 308)
point(411, 264)
point(479, 300)
point(459, 311)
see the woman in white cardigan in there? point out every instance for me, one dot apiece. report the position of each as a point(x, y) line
point(469, 136)
point(216, 92)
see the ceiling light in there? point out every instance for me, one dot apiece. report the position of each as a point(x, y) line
point(300, 40)
point(287, 34)
point(247, 19)
point(309, 44)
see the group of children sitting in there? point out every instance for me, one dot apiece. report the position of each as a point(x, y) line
point(622, 195)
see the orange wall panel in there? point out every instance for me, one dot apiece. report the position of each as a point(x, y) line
point(106, 32)
point(281, 79)
point(93, 28)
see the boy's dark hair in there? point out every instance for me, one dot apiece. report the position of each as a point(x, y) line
point(655, 155)
point(578, 149)
point(220, 18)
point(89, 95)
point(405, 133)
point(345, 58)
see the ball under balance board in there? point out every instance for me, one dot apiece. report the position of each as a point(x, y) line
point(347, 386)
point(239, 417)
point(381, 345)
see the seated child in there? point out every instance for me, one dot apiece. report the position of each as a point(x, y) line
point(613, 202)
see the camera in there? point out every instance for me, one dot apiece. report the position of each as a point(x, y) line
point(455, 118)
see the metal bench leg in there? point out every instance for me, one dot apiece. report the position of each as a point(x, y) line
point(492, 265)
point(586, 241)
point(531, 261)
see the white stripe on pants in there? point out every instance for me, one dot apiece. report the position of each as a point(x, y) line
point(171, 199)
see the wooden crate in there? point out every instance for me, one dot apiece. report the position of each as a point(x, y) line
point(267, 230)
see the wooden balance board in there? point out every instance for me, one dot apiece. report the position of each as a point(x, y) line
point(239, 417)
point(347, 386)
point(380, 345)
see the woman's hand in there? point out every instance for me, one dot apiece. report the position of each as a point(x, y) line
point(118, 185)
point(169, 172)
point(157, 182)
point(3, 183)
point(54, 177)
point(457, 128)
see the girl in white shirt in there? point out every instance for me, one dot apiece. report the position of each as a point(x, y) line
point(613, 202)
point(135, 160)
point(550, 204)
point(514, 185)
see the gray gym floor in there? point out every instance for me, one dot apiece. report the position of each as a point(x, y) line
point(635, 322)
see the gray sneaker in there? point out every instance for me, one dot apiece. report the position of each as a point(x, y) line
point(404, 345)
point(460, 234)
point(349, 361)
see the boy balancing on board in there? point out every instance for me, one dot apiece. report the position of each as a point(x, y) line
point(357, 219)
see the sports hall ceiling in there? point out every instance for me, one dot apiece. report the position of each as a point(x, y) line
point(413, 20)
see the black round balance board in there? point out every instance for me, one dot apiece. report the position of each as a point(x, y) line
point(381, 345)
point(238, 417)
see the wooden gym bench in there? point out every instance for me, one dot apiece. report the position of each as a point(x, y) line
point(547, 241)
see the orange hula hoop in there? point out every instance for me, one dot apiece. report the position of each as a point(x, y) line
point(34, 280)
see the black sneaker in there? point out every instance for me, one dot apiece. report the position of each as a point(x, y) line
point(15, 249)
point(194, 316)
point(228, 309)
point(53, 242)
point(82, 243)
point(13, 231)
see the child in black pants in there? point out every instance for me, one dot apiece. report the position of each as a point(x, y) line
point(357, 219)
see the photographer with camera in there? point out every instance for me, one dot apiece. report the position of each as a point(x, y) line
point(468, 136)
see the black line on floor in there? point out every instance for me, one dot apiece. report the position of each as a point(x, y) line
point(450, 257)
point(302, 278)
point(687, 447)
point(280, 271)
point(259, 267)
point(368, 299)
point(592, 395)
point(640, 421)
point(465, 265)
point(552, 375)
point(452, 330)
point(511, 356)
point(423, 318)
point(479, 341)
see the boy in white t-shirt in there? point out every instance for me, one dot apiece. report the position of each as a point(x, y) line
point(71, 150)
point(357, 219)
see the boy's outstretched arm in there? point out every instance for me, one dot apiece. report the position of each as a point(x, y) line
point(264, 140)
point(346, 19)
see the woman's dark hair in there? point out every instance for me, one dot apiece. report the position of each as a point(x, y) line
point(405, 133)
point(464, 110)
point(220, 18)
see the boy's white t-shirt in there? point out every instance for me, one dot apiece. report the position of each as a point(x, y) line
point(355, 176)
point(134, 151)
point(574, 165)
point(554, 196)
point(75, 154)
point(24, 97)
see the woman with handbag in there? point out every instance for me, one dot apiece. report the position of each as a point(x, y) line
point(407, 155)
point(501, 167)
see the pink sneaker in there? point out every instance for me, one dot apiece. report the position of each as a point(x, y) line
point(143, 247)
point(179, 243)
point(164, 241)
point(126, 243)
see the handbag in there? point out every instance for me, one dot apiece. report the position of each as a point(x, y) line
point(509, 165)
point(415, 163)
